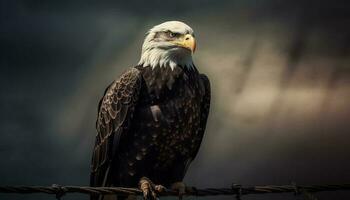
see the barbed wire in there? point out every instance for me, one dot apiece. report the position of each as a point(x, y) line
point(236, 189)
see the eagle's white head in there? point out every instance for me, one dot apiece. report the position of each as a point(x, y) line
point(169, 44)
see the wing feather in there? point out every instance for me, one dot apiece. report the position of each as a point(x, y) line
point(114, 115)
point(204, 112)
point(205, 107)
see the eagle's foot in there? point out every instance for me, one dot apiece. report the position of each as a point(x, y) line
point(149, 189)
point(180, 187)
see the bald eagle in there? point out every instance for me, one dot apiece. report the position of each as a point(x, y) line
point(151, 120)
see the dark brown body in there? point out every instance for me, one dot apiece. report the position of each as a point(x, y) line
point(151, 123)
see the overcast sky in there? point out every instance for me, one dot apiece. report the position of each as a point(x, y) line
point(280, 81)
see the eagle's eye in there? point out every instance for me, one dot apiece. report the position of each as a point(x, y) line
point(172, 34)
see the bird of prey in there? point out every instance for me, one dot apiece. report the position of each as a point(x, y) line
point(152, 119)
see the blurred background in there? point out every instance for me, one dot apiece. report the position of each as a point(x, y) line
point(280, 75)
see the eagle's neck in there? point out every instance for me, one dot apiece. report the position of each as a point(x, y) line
point(156, 57)
point(164, 80)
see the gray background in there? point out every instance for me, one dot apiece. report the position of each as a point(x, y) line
point(280, 84)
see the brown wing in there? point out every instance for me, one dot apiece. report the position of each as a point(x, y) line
point(205, 106)
point(114, 116)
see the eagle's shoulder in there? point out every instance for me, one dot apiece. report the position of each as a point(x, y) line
point(204, 84)
point(120, 92)
point(132, 73)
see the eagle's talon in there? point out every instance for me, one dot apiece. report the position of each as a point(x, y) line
point(180, 187)
point(149, 189)
point(159, 188)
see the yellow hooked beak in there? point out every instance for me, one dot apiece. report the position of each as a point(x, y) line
point(187, 42)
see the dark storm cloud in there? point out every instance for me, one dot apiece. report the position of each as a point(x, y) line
point(57, 57)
